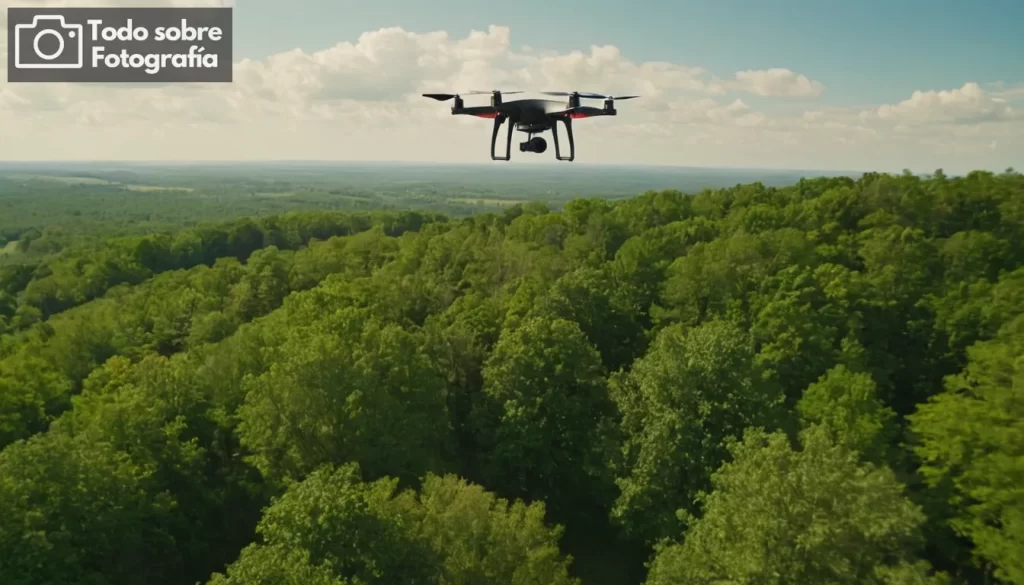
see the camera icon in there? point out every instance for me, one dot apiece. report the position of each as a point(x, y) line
point(48, 43)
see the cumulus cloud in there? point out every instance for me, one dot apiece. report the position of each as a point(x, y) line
point(709, 111)
point(1003, 90)
point(381, 71)
point(777, 82)
point(394, 64)
point(966, 105)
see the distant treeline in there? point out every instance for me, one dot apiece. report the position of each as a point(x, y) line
point(31, 292)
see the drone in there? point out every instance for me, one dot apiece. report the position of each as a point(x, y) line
point(532, 116)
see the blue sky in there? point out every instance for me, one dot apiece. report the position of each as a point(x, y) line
point(864, 51)
point(811, 84)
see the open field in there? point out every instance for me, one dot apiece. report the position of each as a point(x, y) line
point(72, 180)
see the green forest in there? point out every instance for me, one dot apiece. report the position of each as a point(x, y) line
point(819, 383)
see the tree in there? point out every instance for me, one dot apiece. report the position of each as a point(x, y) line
point(584, 297)
point(333, 528)
point(970, 441)
point(545, 417)
point(81, 513)
point(779, 516)
point(486, 539)
point(347, 388)
point(333, 519)
point(277, 565)
point(845, 403)
point(694, 389)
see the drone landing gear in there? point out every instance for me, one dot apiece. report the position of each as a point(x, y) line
point(572, 144)
point(535, 143)
point(498, 121)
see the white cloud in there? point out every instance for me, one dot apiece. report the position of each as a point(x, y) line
point(708, 111)
point(1001, 89)
point(360, 100)
point(968, 104)
point(777, 82)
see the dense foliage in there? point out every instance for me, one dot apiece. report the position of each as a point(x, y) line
point(812, 384)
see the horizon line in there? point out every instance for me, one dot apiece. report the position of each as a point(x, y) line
point(416, 163)
point(186, 162)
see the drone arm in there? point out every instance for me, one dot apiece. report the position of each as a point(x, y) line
point(585, 112)
point(478, 111)
point(494, 139)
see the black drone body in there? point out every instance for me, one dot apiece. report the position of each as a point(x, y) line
point(532, 116)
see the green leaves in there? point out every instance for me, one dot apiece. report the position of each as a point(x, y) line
point(598, 366)
point(779, 516)
point(347, 388)
point(486, 539)
point(333, 528)
point(545, 413)
point(693, 390)
point(349, 525)
point(80, 512)
point(845, 403)
point(971, 438)
point(277, 565)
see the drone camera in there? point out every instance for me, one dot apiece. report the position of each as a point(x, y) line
point(536, 144)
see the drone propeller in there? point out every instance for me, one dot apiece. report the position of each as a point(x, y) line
point(493, 91)
point(443, 97)
point(593, 96)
